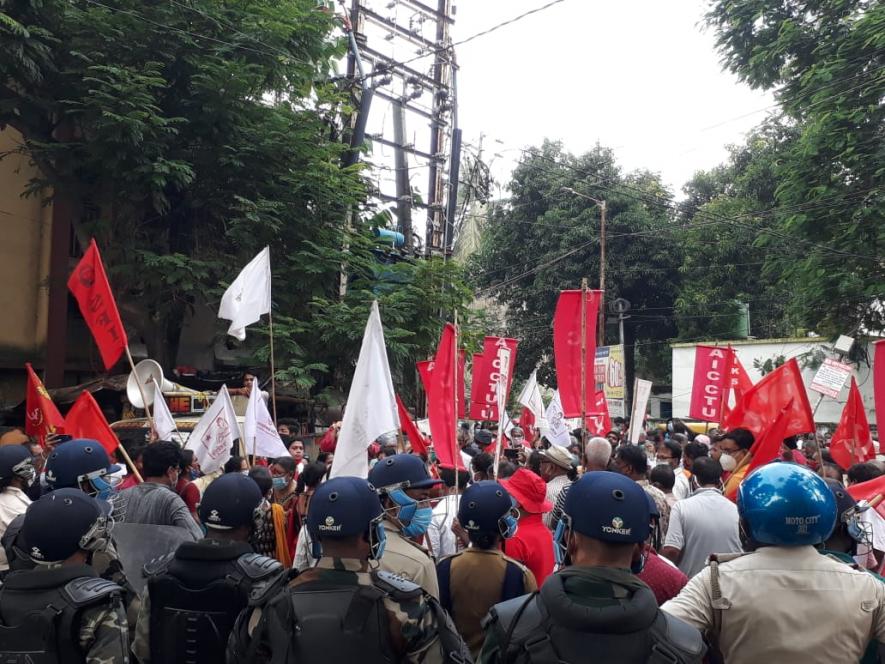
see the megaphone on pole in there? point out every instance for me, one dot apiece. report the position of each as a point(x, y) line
point(150, 374)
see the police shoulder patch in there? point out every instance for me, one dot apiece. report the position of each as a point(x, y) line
point(256, 567)
point(158, 566)
point(88, 590)
point(395, 585)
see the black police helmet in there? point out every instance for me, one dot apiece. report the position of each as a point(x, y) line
point(343, 507)
point(59, 524)
point(482, 506)
point(76, 460)
point(401, 470)
point(609, 507)
point(230, 502)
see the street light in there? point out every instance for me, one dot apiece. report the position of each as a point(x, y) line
point(600, 333)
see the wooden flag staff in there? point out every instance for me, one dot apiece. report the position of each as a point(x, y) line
point(583, 363)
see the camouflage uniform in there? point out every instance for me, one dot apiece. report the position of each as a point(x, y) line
point(104, 635)
point(415, 623)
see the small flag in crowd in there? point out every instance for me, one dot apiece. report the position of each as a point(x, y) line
point(441, 401)
point(248, 297)
point(852, 441)
point(262, 438)
point(41, 415)
point(530, 398)
point(164, 423)
point(371, 403)
point(768, 446)
point(557, 428)
point(215, 433)
point(419, 445)
point(89, 286)
point(85, 420)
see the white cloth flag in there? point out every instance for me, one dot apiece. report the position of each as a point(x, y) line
point(215, 433)
point(248, 297)
point(530, 397)
point(371, 404)
point(164, 424)
point(557, 428)
point(262, 438)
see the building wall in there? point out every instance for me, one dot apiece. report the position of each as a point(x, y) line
point(829, 411)
point(25, 226)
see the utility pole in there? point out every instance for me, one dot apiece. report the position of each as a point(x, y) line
point(601, 204)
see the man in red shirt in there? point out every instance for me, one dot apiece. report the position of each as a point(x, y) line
point(533, 543)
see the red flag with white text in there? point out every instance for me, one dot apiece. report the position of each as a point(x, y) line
point(598, 422)
point(41, 415)
point(852, 441)
point(567, 348)
point(712, 370)
point(89, 285)
point(85, 420)
point(487, 374)
point(737, 384)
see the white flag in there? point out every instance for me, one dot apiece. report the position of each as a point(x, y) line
point(530, 397)
point(164, 424)
point(262, 438)
point(557, 428)
point(371, 404)
point(215, 433)
point(248, 297)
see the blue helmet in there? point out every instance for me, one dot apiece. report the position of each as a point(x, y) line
point(80, 460)
point(16, 461)
point(230, 502)
point(346, 507)
point(62, 522)
point(783, 504)
point(486, 507)
point(401, 471)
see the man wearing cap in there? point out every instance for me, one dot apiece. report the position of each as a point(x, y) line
point(594, 609)
point(404, 485)
point(17, 473)
point(473, 581)
point(195, 594)
point(558, 470)
point(532, 545)
point(61, 611)
point(339, 610)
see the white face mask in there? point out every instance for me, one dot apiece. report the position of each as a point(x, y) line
point(727, 462)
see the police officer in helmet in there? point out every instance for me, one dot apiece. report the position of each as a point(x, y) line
point(404, 485)
point(755, 605)
point(195, 594)
point(477, 578)
point(345, 609)
point(83, 464)
point(17, 474)
point(594, 606)
point(61, 612)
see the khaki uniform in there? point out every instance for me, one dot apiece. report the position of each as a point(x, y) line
point(476, 581)
point(410, 560)
point(787, 605)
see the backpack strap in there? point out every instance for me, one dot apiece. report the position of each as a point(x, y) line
point(257, 567)
point(444, 578)
point(398, 587)
point(514, 585)
point(675, 641)
point(88, 590)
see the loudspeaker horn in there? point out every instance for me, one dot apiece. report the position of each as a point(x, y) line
point(150, 374)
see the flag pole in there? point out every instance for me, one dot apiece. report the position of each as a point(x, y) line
point(273, 373)
point(147, 410)
point(583, 363)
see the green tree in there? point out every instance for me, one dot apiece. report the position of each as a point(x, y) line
point(545, 239)
point(826, 61)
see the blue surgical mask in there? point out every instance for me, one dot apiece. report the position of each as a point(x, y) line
point(509, 525)
point(280, 483)
point(377, 539)
point(415, 519)
point(560, 548)
point(103, 488)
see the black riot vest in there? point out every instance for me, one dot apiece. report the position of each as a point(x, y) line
point(550, 627)
point(41, 611)
point(196, 595)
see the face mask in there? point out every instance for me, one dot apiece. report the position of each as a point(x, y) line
point(194, 474)
point(415, 519)
point(104, 490)
point(280, 483)
point(560, 535)
point(728, 462)
point(638, 565)
point(508, 525)
point(244, 472)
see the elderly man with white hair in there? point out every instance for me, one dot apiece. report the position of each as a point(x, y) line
point(597, 454)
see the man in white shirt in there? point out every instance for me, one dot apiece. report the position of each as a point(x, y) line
point(685, 481)
point(704, 523)
point(17, 473)
point(440, 539)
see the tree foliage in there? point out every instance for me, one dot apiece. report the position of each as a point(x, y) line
point(545, 239)
point(188, 135)
point(826, 61)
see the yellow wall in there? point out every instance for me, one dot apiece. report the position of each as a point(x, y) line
point(25, 226)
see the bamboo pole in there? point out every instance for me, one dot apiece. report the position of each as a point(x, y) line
point(583, 363)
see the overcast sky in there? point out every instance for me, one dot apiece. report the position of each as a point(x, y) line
point(639, 76)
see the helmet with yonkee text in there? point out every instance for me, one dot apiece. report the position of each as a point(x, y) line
point(784, 504)
point(344, 507)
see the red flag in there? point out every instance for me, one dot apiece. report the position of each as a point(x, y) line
point(425, 369)
point(712, 367)
point(869, 490)
point(41, 415)
point(459, 383)
point(527, 420)
point(89, 284)
point(441, 400)
point(85, 420)
point(762, 403)
point(852, 442)
point(486, 376)
point(738, 384)
point(419, 445)
point(767, 447)
point(567, 348)
point(598, 421)
point(477, 375)
point(879, 386)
